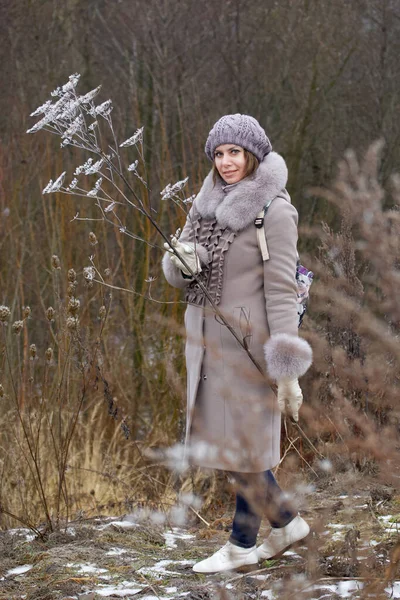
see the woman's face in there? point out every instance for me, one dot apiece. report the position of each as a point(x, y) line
point(230, 162)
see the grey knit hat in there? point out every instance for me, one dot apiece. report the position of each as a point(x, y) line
point(243, 130)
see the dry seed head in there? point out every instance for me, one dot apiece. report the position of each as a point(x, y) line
point(92, 239)
point(50, 312)
point(32, 351)
point(102, 312)
point(55, 262)
point(72, 275)
point(73, 306)
point(5, 313)
point(17, 326)
point(72, 323)
point(49, 354)
point(89, 273)
point(71, 289)
point(26, 312)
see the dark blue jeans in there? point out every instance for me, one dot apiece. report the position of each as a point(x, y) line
point(258, 495)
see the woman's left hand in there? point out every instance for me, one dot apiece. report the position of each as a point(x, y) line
point(290, 397)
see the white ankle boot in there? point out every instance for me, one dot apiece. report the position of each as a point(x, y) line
point(227, 558)
point(280, 540)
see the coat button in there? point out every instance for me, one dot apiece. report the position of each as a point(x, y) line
point(204, 377)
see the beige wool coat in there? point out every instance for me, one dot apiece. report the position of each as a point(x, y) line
point(233, 421)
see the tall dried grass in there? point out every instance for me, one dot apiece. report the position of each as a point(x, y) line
point(352, 390)
point(350, 412)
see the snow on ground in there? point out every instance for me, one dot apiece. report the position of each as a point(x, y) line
point(120, 591)
point(176, 534)
point(19, 570)
point(85, 569)
point(158, 570)
point(116, 552)
point(118, 558)
point(117, 524)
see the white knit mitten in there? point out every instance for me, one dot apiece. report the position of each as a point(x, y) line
point(189, 255)
point(290, 397)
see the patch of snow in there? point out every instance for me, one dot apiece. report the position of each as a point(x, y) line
point(385, 518)
point(19, 570)
point(118, 524)
point(260, 577)
point(345, 588)
point(171, 590)
point(19, 531)
point(268, 594)
point(158, 570)
point(71, 531)
point(393, 590)
point(116, 552)
point(23, 532)
point(117, 591)
point(176, 534)
point(89, 568)
point(337, 535)
point(373, 543)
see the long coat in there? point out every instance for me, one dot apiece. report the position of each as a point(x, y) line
point(233, 421)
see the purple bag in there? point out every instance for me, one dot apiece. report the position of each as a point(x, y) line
point(304, 279)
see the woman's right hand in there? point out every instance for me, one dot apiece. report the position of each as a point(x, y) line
point(188, 253)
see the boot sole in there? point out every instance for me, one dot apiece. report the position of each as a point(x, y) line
point(242, 569)
point(294, 545)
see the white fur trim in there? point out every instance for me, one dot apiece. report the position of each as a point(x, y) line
point(287, 356)
point(237, 205)
point(172, 274)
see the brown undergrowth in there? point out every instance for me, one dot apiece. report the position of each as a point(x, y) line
point(76, 421)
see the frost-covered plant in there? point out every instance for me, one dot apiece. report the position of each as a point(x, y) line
point(79, 121)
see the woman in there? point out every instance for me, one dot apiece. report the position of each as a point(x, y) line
point(233, 416)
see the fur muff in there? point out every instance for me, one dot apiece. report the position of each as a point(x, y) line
point(173, 275)
point(287, 356)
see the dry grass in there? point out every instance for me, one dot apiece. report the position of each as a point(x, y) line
point(75, 429)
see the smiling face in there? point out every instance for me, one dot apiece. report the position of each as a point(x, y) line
point(230, 162)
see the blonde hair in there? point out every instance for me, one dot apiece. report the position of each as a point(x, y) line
point(251, 165)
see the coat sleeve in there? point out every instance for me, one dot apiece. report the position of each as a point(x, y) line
point(172, 274)
point(287, 355)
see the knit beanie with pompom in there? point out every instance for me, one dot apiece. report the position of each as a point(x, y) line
point(242, 130)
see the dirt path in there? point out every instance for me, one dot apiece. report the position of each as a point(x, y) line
point(355, 545)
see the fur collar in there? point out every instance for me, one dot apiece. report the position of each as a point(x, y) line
point(237, 205)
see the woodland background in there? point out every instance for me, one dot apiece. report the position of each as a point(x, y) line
point(321, 76)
